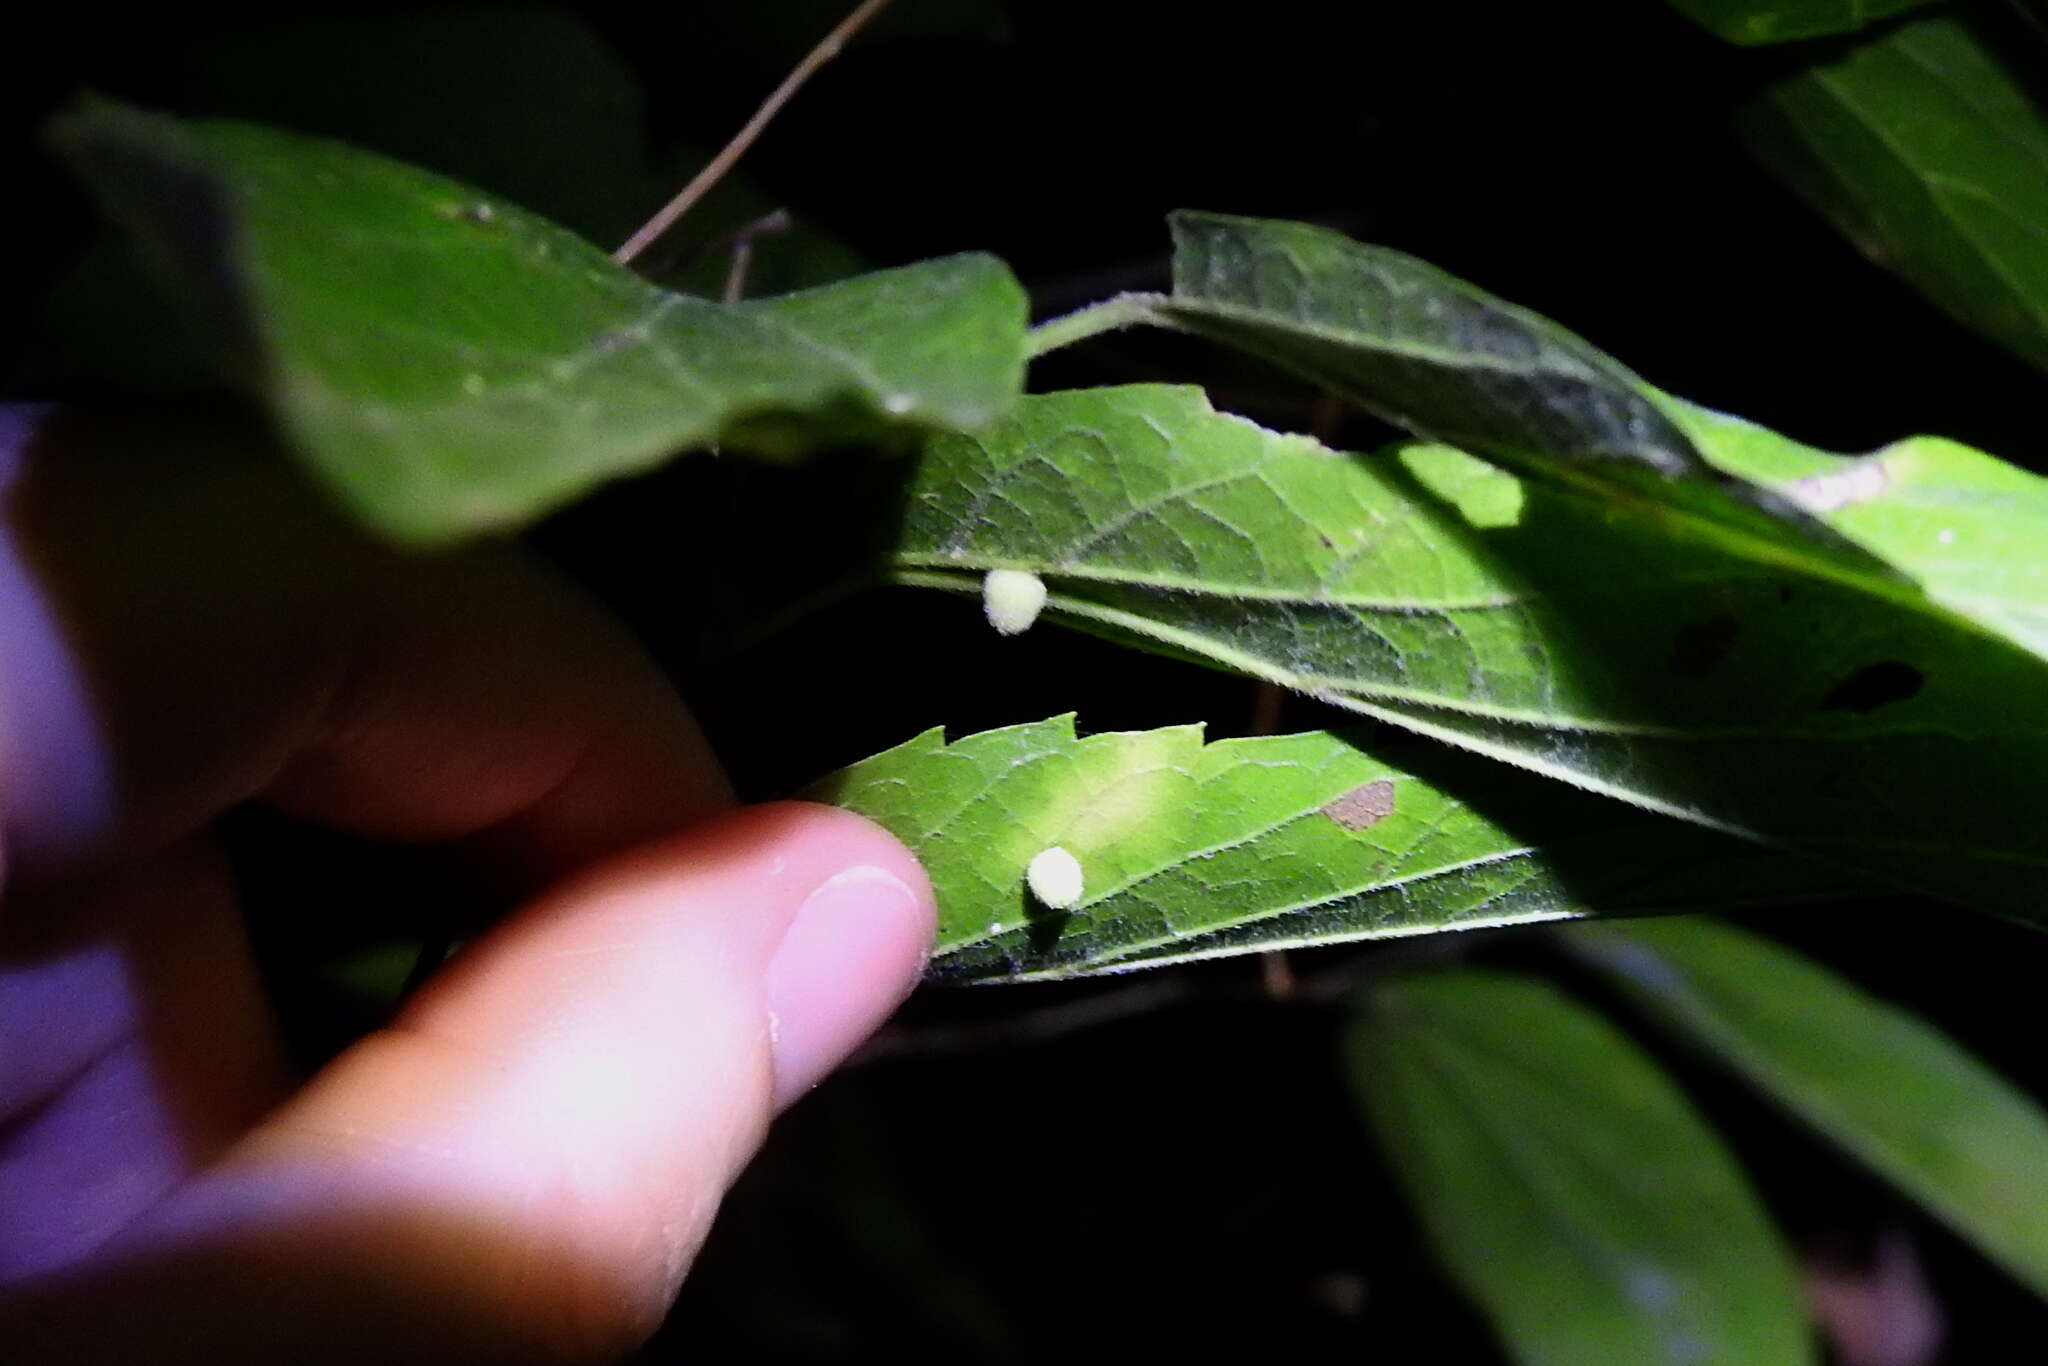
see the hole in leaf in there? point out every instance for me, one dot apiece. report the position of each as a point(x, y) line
point(1701, 645)
point(1873, 686)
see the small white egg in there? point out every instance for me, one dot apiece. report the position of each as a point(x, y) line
point(1054, 876)
point(1012, 599)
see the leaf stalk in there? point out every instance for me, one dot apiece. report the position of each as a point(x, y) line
point(1125, 310)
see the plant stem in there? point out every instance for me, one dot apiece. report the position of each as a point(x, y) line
point(714, 170)
point(1124, 310)
point(1276, 973)
point(743, 252)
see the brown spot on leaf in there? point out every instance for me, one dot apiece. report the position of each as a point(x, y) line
point(1365, 805)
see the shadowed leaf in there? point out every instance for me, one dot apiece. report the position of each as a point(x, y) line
point(1783, 21)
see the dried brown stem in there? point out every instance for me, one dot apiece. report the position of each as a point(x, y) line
point(714, 170)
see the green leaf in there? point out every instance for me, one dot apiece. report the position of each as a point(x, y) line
point(1192, 851)
point(1965, 529)
point(1927, 524)
point(1889, 1088)
point(1417, 345)
point(450, 364)
point(1452, 363)
point(1932, 158)
point(1564, 633)
point(1566, 1184)
point(1781, 21)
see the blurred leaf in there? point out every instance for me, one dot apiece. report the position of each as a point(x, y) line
point(1927, 153)
point(1192, 851)
point(1781, 21)
point(450, 364)
point(1569, 635)
point(1878, 1080)
point(1566, 1184)
point(528, 105)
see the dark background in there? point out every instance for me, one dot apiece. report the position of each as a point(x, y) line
point(1166, 1163)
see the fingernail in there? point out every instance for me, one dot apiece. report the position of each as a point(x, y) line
point(851, 954)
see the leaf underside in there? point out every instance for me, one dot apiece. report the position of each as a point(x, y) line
point(1841, 654)
point(1193, 851)
point(1544, 626)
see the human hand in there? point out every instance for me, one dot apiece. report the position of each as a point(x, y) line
point(522, 1164)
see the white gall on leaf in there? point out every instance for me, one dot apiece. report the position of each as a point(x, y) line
point(1012, 597)
point(1054, 876)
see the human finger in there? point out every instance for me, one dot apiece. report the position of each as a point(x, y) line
point(190, 627)
point(522, 1166)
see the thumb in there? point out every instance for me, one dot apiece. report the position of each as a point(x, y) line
point(523, 1165)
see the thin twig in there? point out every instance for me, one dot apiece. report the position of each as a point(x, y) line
point(1276, 973)
point(714, 171)
point(736, 273)
point(768, 225)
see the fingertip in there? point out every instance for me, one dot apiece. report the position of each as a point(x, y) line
point(853, 951)
point(840, 836)
point(855, 945)
point(590, 1076)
